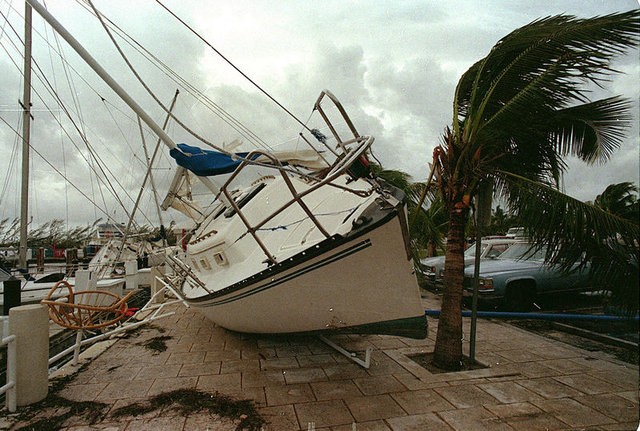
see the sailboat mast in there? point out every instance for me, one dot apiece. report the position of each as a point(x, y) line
point(44, 13)
point(26, 131)
point(91, 62)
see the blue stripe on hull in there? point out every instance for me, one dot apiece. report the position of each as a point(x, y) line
point(304, 270)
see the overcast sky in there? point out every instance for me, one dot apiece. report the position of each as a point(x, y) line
point(394, 65)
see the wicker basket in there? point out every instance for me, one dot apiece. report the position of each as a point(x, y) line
point(88, 309)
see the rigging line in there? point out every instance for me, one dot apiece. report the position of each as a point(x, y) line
point(216, 109)
point(124, 137)
point(64, 158)
point(2, 31)
point(60, 54)
point(95, 157)
point(76, 103)
point(231, 64)
point(149, 174)
point(69, 80)
point(202, 139)
point(67, 179)
point(52, 166)
point(12, 163)
point(49, 163)
point(146, 87)
point(13, 158)
point(92, 152)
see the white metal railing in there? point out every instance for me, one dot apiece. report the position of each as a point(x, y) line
point(10, 387)
point(344, 160)
point(337, 169)
point(154, 314)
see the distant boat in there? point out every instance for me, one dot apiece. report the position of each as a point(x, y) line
point(35, 289)
point(315, 244)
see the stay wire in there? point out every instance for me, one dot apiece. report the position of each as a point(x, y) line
point(95, 158)
point(232, 65)
point(55, 84)
point(216, 109)
point(52, 166)
point(161, 104)
point(146, 87)
point(42, 77)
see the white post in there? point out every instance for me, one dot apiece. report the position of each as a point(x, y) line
point(157, 292)
point(30, 325)
point(131, 274)
point(85, 280)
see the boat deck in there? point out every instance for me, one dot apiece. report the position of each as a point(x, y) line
point(531, 382)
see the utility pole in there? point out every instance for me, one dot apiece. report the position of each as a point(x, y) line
point(26, 131)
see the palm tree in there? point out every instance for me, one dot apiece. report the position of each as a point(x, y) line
point(614, 262)
point(426, 227)
point(620, 199)
point(517, 113)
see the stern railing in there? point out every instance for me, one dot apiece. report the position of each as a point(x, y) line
point(349, 155)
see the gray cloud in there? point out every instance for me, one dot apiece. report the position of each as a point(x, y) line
point(393, 65)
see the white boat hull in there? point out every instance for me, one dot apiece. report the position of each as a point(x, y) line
point(366, 285)
point(31, 293)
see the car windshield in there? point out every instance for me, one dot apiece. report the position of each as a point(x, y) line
point(523, 251)
point(471, 251)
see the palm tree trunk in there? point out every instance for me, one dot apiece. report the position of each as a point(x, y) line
point(448, 348)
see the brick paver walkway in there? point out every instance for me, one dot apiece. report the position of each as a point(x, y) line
point(531, 382)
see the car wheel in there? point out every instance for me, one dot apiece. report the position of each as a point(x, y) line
point(519, 297)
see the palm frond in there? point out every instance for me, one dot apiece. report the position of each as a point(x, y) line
point(574, 231)
point(399, 179)
point(536, 71)
point(592, 131)
point(620, 199)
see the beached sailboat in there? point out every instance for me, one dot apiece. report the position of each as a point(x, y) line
point(316, 244)
point(321, 247)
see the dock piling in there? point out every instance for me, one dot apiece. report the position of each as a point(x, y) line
point(30, 325)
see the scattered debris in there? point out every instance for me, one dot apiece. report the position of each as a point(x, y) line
point(157, 344)
point(186, 401)
point(54, 411)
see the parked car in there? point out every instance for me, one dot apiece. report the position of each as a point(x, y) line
point(517, 277)
point(516, 232)
point(432, 268)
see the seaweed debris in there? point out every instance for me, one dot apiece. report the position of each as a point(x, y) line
point(55, 410)
point(157, 344)
point(186, 401)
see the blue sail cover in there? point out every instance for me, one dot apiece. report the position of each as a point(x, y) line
point(205, 163)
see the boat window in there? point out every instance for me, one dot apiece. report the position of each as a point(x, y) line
point(205, 263)
point(195, 265)
point(51, 278)
point(245, 198)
